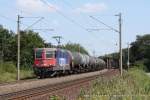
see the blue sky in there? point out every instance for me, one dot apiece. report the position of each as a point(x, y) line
point(72, 19)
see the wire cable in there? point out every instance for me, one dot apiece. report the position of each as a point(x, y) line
point(34, 23)
point(66, 17)
point(104, 24)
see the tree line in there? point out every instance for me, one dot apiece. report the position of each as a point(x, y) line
point(28, 41)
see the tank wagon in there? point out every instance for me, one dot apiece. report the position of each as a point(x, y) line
point(52, 61)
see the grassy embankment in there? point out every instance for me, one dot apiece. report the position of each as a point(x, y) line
point(133, 85)
point(8, 73)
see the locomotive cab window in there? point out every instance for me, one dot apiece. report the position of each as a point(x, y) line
point(38, 54)
point(50, 54)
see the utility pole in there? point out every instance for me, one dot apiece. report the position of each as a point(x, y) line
point(18, 32)
point(58, 38)
point(128, 62)
point(18, 57)
point(120, 36)
point(120, 40)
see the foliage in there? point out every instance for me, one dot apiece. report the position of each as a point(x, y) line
point(133, 83)
point(7, 77)
point(140, 65)
point(56, 97)
point(75, 48)
point(139, 53)
point(140, 50)
point(8, 72)
point(8, 53)
point(27, 74)
point(28, 40)
point(7, 67)
point(6, 47)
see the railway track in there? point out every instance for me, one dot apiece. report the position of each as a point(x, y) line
point(52, 89)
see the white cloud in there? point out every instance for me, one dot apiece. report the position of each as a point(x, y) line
point(91, 8)
point(35, 6)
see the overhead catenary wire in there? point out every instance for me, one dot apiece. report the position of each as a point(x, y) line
point(111, 28)
point(62, 14)
point(28, 27)
point(45, 29)
point(45, 23)
point(66, 17)
point(68, 4)
point(33, 17)
point(88, 29)
point(92, 29)
point(34, 23)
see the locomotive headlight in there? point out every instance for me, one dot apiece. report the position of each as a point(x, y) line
point(44, 64)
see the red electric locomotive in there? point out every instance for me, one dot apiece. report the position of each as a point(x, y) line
point(51, 60)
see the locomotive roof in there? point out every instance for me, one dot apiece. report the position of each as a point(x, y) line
point(53, 49)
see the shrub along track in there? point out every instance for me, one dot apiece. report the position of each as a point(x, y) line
point(69, 89)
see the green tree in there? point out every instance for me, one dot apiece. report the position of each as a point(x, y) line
point(75, 48)
point(140, 50)
point(29, 41)
point(6, 48)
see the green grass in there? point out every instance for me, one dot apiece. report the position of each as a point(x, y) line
point(27, 74)
point(56, 97)
point(133, 85)
point(8, 73)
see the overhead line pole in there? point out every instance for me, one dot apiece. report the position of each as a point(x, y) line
point(120, 37)
point(120, 33)
point(58, 38)
point(18, 56)
point(128, 62)
point(18, 40)
point(120, 40)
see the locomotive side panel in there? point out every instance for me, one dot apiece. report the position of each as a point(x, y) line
point(63, 60)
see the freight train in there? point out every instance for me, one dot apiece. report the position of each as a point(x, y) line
point(52, 61)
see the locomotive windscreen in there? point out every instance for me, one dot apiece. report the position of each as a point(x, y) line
point(50, 54)
point(38, 53)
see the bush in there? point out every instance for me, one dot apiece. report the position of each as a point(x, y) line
point(8, 67)
point(8, 72)
point(141, 65)
point(7, 77)
point(26, 74)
